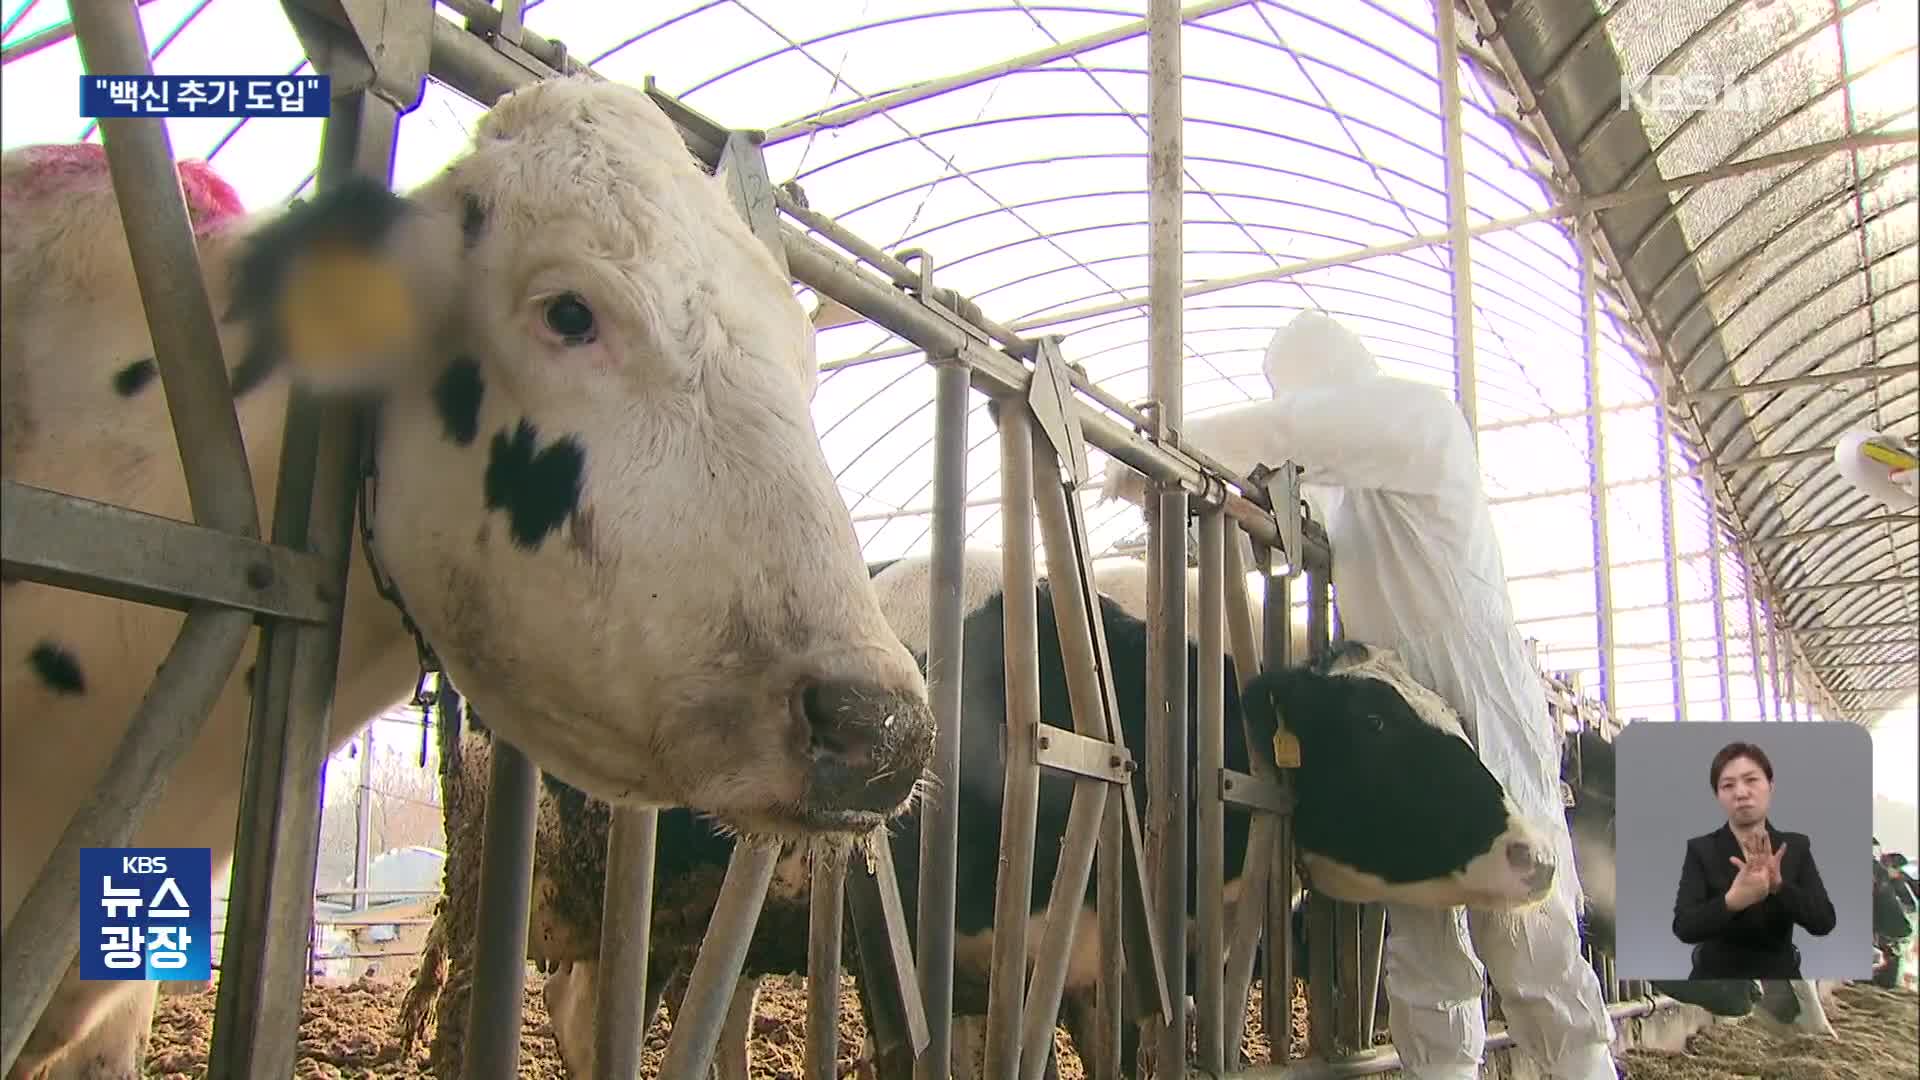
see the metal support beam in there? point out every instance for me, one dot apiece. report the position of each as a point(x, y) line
point(1867, 372)
point(1716, 575)
point(620, 978)
point(1906, 518)
point(716, 970)
point(1754, 658)
point(1466, 368)
point(1210, 991)
point(1597, 474)
point(939, 835)
point(825, 905)
point(1167, 720)
point(492, 1050)
point(1669, 538)
point(1856, 583)
point(377, 71)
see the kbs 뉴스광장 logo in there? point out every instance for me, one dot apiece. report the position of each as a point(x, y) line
point(146, 913)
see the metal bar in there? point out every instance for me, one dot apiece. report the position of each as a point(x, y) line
point(1870, 521)
point(849, 114)
point(1102, 1059)
point(1871, 372)
point(1167, 719)
point(166, 267)
point(723, 952)
point(1063, 908)
point(1277, 993)
point(43, 937)
point(939, 833)
point(1597, 475)
point(1020, 807)
point(257, 1015)
point(362, 819)
point(896, 1020)
point(1857, 583)
point(1459, 243)
point(500, 928)
point(1717, 576)
point(1210, 992)
point(1089, 676)
point(1773, 665)
point(824, 918)
point(1670, 542)
point(1889, 624)
point(69, 542)
point(626, 925)
point(1247, 920)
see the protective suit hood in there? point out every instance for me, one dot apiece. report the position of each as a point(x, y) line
point(1314, 350)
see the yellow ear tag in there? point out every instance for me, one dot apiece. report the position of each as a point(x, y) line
point(340, 306)
point(1286, 749)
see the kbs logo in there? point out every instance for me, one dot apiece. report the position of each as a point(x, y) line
point(1683, 94)
point(146, 913)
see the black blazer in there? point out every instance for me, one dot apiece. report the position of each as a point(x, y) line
point(1756, 943)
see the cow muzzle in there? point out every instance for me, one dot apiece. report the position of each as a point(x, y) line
point(1534, 866)
point(867, 747)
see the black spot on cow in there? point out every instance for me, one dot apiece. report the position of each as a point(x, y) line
point(473, 219)
point(57, 668)
point(457, 394)
point(538, 490)
point(1358, 734)
point(134, 378)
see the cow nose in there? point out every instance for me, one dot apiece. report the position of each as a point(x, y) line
point(867, 744)
point(1538, 870)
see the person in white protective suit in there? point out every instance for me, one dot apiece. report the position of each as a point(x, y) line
point(1391, 469)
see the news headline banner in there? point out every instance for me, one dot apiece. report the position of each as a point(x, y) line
point(230, 96)
point(146, 914)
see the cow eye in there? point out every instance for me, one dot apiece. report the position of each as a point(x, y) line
point(568, 316)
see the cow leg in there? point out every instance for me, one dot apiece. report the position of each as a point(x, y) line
point(90, 1030)
point(571, 1004)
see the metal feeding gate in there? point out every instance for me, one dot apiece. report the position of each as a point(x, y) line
point(378, 54)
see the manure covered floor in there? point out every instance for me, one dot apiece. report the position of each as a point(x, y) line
point(347, 1033)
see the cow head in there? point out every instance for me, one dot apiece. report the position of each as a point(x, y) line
point(1394, 804)
point(600, 492)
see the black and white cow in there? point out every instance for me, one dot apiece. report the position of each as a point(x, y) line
point(600, 494)
point(1454, 839)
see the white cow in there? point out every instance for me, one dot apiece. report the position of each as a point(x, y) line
point(600, 491)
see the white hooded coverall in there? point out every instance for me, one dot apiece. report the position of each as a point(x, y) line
point(1394, 475)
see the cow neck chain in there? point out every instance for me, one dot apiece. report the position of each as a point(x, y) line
point(364, 498)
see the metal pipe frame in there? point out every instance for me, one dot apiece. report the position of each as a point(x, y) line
point(939, 833)
point(626, 924)
point(723, 952)
point(270, 901)
point(825, 905)
point(42, 938)
point(1019, 807)
point(492, 1049)
point(1669, 540)
point(1210, 992)
point(1466, 368)
point(1167, 717)
point(1597, 478)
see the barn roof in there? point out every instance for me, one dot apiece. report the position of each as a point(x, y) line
point(1008, 139)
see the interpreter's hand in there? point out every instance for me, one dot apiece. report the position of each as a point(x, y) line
point(1773, 860)
point(1750, 884)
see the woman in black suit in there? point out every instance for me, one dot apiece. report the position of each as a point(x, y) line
point(1744, 885)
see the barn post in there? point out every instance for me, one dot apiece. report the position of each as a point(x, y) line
point(1597, 492)
point(1019, 808)
point(1670, 546)
point(723, 952)
point(1459, 241)
point(1276, 1012)
point(1708, 480)
point(375, 51)
point(1753, 637)
point(492, 1050)
point(626, 922)
point(1167, 720)
point(43, 936)
point(1210, 990)
point(939, 833)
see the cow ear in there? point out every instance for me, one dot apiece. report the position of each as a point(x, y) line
point(345, 289)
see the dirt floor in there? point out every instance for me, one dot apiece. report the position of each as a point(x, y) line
point(346, 1033)
point(1877, 1034)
